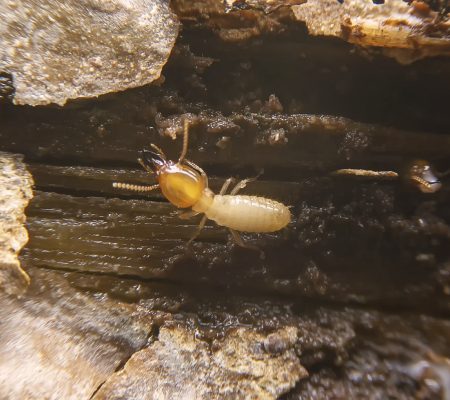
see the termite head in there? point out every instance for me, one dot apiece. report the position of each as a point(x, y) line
point(422, 175)
point(180, 184)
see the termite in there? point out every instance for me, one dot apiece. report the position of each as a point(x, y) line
point(185, 185)
point(418, 173)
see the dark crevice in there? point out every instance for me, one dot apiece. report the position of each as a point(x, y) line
point(299, 302)
point(91, 193)
point(217, 170)
point(97, 389)
point(152, 337)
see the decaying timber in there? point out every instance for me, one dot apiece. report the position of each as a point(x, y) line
point(15, 193)
point(147, 239)
point(71, 50)
point(351, 300)
point(405, 31)
point(166, 329)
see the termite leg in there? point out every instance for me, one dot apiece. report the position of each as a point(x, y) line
point(199, 229)
point(203, 220)
point(238, 240)
point(196, 167)
point(242, 184)
point(225, 186)
point(187, 214)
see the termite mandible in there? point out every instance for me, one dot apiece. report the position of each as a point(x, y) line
point(185, 185)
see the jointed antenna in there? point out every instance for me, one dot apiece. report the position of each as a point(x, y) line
point(185, 140)
point(135, 188)
point(421, 181)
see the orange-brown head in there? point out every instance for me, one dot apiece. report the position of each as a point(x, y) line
point(180, 184)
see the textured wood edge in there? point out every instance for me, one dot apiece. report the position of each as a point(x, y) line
point(15, 193)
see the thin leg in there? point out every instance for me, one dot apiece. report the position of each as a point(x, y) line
point(204, 218)
point(199, 229)
point(185, 140)
point(238, 240)
point(187, 214)
point(197, 168)
point(242, 184)
point(135, 188)
point(225, 186)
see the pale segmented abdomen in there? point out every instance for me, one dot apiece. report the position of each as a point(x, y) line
point(248, 213)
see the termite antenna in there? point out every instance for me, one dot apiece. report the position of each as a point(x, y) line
point(134, 188)
point(185, 140)
point(428, 186)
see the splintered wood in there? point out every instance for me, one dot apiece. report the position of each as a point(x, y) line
point(405, 32)
point(15, 192)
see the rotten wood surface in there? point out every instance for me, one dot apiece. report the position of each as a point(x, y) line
point(406, 31)
point(353, 296)
point(77, 335)
point(372, 251)
point(15, 191)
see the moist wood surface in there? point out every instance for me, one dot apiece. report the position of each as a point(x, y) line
point(355, 290)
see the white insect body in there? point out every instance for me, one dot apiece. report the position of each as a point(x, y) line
point(246, 213)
